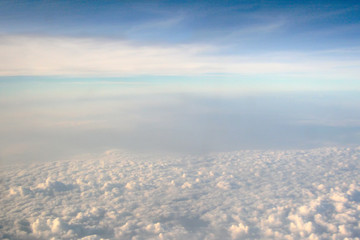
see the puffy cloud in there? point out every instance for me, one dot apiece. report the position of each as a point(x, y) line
point(122, 195)
point(238, 231)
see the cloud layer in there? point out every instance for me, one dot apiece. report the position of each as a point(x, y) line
point(71, 56)
point(311, 194)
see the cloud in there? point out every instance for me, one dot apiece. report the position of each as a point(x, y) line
point(66, 56)
point(298, 194)
point(238, 231)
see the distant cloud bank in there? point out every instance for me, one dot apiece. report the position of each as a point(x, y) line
point(70, 56)
point(312, 194)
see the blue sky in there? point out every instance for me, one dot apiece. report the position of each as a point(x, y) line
point(267, 41)
point(287, 25)
point(83, 76)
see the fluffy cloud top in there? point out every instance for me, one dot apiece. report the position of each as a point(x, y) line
point(312, 194)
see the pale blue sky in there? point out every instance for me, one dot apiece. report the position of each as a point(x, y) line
point(307, 43)
point(176, 76)
point(44, 120)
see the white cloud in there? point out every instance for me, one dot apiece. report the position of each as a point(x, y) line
point(123, 195)
point(66, 56)
point(238, 231)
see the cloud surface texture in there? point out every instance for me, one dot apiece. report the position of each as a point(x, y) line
point(293, 194)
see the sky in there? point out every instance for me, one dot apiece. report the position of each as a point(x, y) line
point(179, 119)
point(178, 76)
point(312, 41)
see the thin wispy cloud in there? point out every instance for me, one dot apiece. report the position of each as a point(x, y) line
point(149, 38)
point(65, 56)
